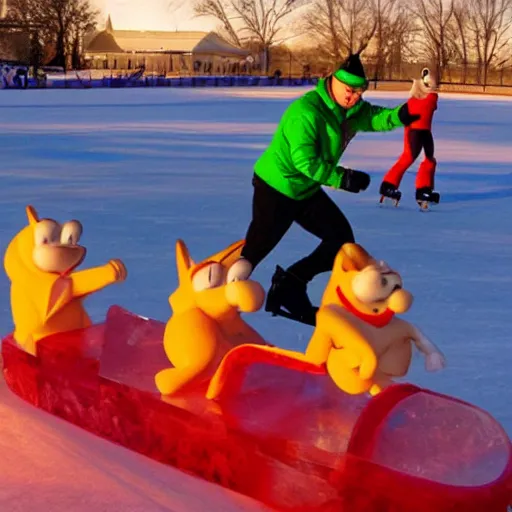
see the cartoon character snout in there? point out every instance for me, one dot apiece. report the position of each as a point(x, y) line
point(400, 301)
point(248, 296)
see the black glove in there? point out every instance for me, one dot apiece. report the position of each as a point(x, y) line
point(406, 118)
point(354, 181)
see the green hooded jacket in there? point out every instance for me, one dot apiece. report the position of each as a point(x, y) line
point(310, 139)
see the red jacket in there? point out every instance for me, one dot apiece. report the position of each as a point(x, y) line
point(425, 107)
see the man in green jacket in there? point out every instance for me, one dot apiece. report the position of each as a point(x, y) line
point(288, 177)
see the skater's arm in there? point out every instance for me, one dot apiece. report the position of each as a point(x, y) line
point(373, 118)
point(306, 155)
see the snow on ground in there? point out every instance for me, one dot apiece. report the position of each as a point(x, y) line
point(48, 464)
point(143, 167)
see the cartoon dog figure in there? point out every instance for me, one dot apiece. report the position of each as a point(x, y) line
point(359, 306)
point(46, 292)
point(206, 321)
point(358, 340)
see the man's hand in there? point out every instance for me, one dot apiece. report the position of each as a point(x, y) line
point(354, 181)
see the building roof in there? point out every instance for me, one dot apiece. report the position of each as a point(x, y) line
point(103, 42)
point(186, 42)
point(149, 41)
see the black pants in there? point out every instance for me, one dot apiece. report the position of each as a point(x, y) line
point(419, 139)
point(273, 214)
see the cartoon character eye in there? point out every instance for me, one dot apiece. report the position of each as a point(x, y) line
point(46, 232)
point(211, 275)
point(71, 232)
point(240, 271)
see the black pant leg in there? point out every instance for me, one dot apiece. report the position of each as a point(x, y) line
point(272, 215)
point(415, 140)
point(428, 144)
point(320, 216)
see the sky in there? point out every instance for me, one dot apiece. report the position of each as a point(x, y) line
point(155, 15)
point(141, 168)
point(167, 15)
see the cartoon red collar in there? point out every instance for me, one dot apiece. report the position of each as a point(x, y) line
point(379, 320)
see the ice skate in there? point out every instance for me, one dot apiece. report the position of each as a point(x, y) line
point(288, 297)
point(425, 196)
point(389, 191)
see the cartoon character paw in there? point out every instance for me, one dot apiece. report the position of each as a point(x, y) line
point(120, 271)
point(435, 362)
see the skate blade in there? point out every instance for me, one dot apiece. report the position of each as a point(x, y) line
point(424, 206)
point(385, 199)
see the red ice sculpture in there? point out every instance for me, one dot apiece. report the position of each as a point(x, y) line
point(289, 439)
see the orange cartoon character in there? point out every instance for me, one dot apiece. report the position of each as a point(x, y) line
point(46, 291)
point(358, 339)
point(206, 321)
point(359, 306)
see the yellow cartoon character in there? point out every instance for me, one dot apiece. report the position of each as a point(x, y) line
point(359, 307)
point(358, 340)
point(206, 321)
point(46, 292)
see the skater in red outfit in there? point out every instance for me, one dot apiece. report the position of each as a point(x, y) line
point(417, 136)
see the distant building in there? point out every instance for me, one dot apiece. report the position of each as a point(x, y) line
point(162, 52)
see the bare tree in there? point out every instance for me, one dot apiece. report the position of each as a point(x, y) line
point(400, 46)
point(391, 42)
point(434, 17)
point(25, 14)
point(461, 37)
point(62, 22)
point(257, 21)
point(341, 26)
point(490, 22)
point(357, 24)
point(20, 11)
point(504, 63)
point(322, 24)
point(220, 10)
point(83, 20)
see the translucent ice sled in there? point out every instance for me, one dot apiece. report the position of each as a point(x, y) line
point(290, 439)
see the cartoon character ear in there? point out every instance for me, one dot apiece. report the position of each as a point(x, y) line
point(355, 257)
point(183, 260)
point(32, 216)
point(230, 254)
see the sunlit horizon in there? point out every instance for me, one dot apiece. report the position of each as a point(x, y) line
point(155, 15)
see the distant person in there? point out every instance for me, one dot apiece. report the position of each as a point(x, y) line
point(417, 136)
point(303, 155)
